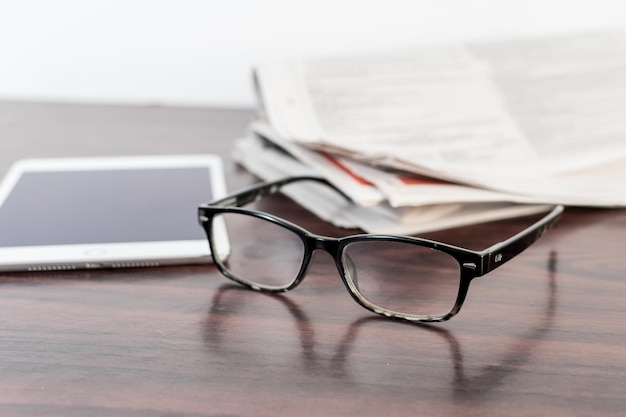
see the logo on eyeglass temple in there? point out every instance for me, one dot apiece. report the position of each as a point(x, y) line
point(498, 257)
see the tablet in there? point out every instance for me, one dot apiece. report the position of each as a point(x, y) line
point(114, 212)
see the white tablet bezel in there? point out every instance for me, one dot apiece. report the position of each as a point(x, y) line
point(113, 255)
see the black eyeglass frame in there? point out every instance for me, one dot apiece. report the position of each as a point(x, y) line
point(472, 264)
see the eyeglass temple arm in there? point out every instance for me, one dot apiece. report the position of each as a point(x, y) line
point(258, 191)
point(504, 251)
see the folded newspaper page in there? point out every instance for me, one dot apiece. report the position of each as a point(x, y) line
point(541, 119)
point(268, 161)
point(368, 186)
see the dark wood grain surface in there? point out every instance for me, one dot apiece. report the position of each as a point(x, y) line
point(543, 335)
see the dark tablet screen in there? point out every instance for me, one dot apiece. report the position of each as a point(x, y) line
point(104, 206)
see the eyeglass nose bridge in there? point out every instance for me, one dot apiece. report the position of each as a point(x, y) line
point(312, 243)
point(329, 245)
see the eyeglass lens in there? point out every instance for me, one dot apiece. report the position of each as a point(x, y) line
point(262, 252)
point(402, 277)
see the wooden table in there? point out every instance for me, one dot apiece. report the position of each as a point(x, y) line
point(543, 335)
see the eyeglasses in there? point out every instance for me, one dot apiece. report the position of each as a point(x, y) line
point(401, 277)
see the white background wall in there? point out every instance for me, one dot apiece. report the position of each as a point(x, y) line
point(200, 52)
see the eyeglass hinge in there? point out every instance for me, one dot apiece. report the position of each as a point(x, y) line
point(469, 265)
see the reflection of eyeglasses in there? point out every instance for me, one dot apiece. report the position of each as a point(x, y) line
point(402, 277)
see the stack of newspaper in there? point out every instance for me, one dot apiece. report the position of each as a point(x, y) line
point(450, 135)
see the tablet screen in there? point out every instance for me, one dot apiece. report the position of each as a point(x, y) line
point(104, 206)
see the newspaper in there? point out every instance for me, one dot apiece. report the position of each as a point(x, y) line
point(535, 120)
